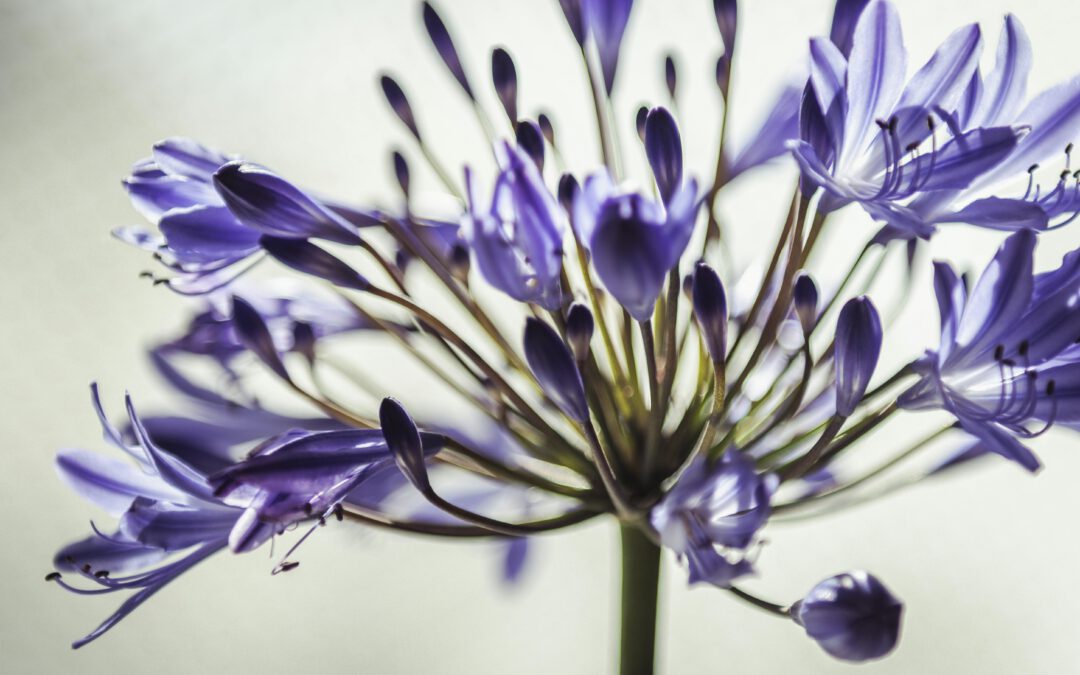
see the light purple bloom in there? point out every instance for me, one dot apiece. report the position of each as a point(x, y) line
point(634, 241)
point(1008, 355)
point(869, 138)
point(712, 515)
point(517, 243)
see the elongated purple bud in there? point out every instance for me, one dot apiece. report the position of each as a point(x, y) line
point(664, 149)
point(444, 45)
point(858, 345)
point(504, 77)
point(303, 256)
point(851, 616)
point(639, 121)
point(531, 140)
point(546, 128)
point(845, 16)
point(252, 331)
point(710, 310)
point(397, 101)
point(723, 72)
point(727, 20)
point(268, 203)
point(401, 172)
point(805, 299)
point(403, 440)
point(671, 76)
point(568, 191)
point(579, 329)
point(572, 11)
point(553, 366)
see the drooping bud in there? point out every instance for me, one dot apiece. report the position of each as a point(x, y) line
point(553, 366)
point(444, 45)
point(531, 141)
point(710, 310)
point(579, 329)
point(858, 345)
point(671, 76)
point(403, 440)
point(568, 190)
point(401, 171)
point(727, 19)
point(504, 77)
point(268, 203)
point(664, 149)
point(252, 331)
point(395, 98)
point(303, 256)
point(606, 22)
point(851, 616)
point(805, 299)
point(546, 128)
point(639, 121)
point(845, 16)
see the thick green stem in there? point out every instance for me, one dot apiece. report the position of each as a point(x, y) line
point(640, 586)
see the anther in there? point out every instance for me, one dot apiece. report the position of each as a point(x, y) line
point(71, 561)
point(1033, 168)
point(1022, 348)
point(1051, 387)
point(86, 568)
point(101, 574)
point(999, 352)
point(893, 122)
point(308, 509)
point(286, 567)
point(52, 576)
point(339, 512)
point(930, 122)
point(882, 124)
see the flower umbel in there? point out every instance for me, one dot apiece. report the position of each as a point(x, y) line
point(626, 365)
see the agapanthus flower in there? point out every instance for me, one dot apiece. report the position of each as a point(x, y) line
point(629, 369)
point(1008, 362)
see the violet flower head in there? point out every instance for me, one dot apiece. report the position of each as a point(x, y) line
point(688, 407)
point(1008, 365)
point(852, 616)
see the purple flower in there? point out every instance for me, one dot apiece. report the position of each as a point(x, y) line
point(866, 137)
point(634, 241)
point(1008, 355)
point(852, 616)
point(712, 515)
point(1054, 119)
point(517, 242)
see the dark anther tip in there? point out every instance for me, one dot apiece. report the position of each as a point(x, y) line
point(1022, 348)
point(1033, 168)
point(1068, 148)
point(53, 576)
point(86, 568)
point(999, 352)
point(101, 574)
point(286, 567)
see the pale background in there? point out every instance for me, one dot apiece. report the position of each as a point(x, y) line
point(986, 563)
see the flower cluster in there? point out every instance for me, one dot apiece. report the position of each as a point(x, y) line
point(617, 376)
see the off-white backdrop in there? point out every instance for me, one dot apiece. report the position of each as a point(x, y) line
point(986, 563)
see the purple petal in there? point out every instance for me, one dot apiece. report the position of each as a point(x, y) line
point(206, 234)
point(845, 15)
point(303, 256)
point(264, 201)
point(851, 616)
point(108, 482)
point(1005, 86)
point(606, 21)
point(875, 74)
point(188, 158)
point(663, 146)
point(999, 214)
point(173, 527)
point(111, 555)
